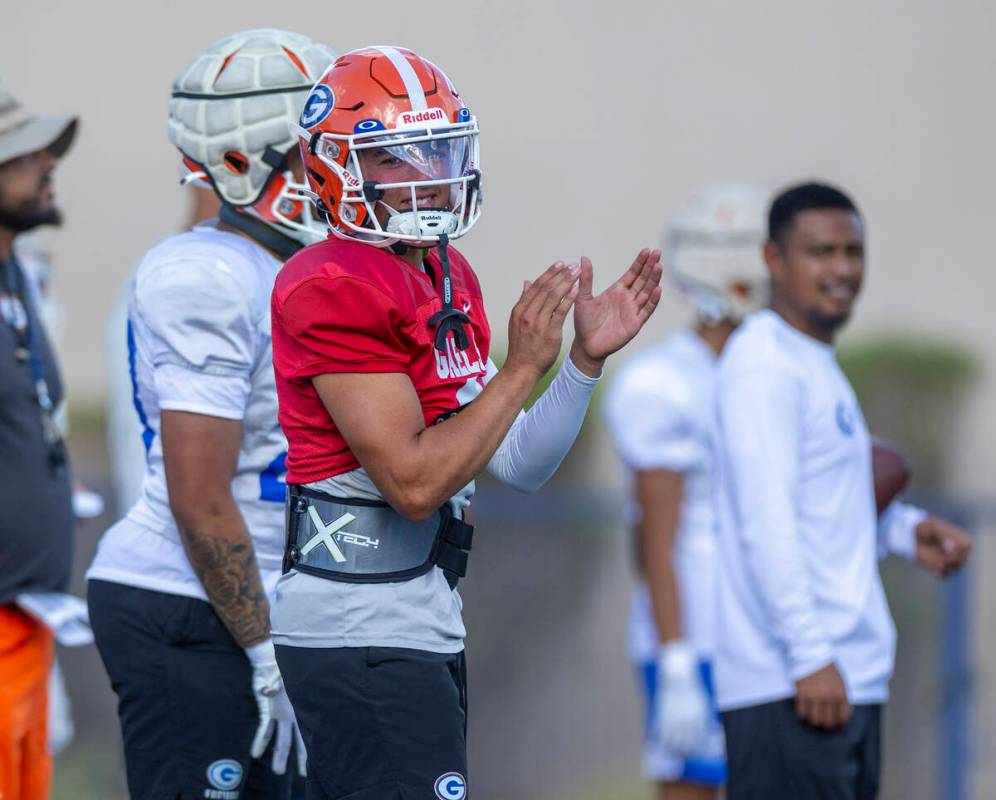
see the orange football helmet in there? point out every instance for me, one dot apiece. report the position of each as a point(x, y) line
point(390, 150)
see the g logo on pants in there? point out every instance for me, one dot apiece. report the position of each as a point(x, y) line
point(451, 786)
point(226, 773)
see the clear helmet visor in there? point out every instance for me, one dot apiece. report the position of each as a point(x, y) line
point(418, 186)
point(436, 159)
point(405, 186)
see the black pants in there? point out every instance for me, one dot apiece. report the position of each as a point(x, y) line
point(185, 699)
point(380, 723)
point(771, 754)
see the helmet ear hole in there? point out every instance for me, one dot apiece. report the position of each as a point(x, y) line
point(316, 177)
point(237, 162)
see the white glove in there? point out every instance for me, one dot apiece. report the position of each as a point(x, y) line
point(275, 712)
point(86, 504)
point(683, 713)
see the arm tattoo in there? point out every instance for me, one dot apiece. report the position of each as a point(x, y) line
point(231, 579)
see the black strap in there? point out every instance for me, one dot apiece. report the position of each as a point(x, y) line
point(458, 533)
point(451, 559)
point(273, 158)
point(449, 319)
point(257, 230)
point(452, 550)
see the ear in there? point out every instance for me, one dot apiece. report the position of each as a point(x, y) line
point(774, 259)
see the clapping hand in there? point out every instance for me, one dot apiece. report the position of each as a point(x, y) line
point(604, 323)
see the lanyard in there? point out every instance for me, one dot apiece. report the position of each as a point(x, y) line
point(29, 349)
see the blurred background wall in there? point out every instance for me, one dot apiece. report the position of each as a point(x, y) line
point(597, 120)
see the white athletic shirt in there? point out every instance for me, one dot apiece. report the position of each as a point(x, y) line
point(799, 586)
point(125, 445)
point(659, 412)
point(199, 341)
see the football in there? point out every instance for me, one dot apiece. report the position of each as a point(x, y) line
point(890, 472)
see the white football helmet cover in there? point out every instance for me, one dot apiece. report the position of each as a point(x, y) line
point(229, 113)
point(713, 251)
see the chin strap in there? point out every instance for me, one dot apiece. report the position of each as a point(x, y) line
point(448, 319)
point(261, 233)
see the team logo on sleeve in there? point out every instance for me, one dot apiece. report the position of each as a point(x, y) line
point(845, 419)
point(451, 786)
point(318, 106)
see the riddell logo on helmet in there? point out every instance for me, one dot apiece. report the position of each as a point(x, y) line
point(349, 180)
point(430, 116)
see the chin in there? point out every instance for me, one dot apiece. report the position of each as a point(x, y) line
point(24, 221)
point(833, 322)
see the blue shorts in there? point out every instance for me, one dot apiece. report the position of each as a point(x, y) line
point(663, 765)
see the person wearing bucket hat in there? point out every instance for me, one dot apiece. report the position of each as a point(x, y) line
point(30, 146)
point(35, 549)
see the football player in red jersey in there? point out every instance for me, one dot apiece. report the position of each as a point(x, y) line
point(380, 339)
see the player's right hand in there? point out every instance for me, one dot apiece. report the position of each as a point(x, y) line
point(535, 328)
point(821, 699)
point(276, 716)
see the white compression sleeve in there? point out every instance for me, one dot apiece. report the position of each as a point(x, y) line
point(540, 438)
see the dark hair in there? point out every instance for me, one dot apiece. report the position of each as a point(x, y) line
point(804, 197)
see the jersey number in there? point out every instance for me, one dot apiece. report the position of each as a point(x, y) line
point(272, 485)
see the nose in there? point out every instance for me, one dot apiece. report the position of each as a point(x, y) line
point(412, 173)
point(847, 265)
point(46, 160)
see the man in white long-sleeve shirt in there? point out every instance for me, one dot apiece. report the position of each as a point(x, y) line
point(805, 640)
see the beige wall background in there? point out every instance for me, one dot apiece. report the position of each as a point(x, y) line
point(597, 120)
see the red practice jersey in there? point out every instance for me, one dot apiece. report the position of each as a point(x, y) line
point(341, 306)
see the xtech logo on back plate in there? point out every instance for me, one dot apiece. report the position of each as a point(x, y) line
point(225, 775)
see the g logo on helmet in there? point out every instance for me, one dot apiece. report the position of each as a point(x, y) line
point(317, 107)
point(451, 786)
point(225, 774)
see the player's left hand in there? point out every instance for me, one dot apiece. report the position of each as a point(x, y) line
point(682, 715)
point(604, 323)
point(941, 547)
